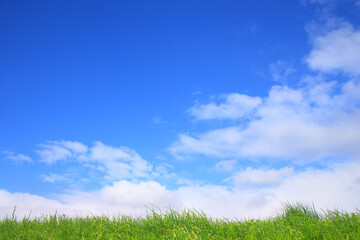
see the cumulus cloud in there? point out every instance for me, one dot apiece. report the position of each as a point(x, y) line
point(331, 188)
point(117, 162)
point(308, 123)
point(139, 195)
point(19, 158)
point(121, 162)
point(235, 106)
point(337, 50)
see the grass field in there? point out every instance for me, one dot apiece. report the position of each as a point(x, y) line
point(293, 222)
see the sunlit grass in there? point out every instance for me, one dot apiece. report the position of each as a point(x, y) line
point(292, 222)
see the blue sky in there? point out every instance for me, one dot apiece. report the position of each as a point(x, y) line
point(228, 107)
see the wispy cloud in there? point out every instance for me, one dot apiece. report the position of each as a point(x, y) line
point(225, 166)
point(281, 71)
point(235, 106)
point(158, 120)
point(330, 3)
point(19, 158)
point(117, 162)
point(53, 177)
point(54, 151)
point(249, 29)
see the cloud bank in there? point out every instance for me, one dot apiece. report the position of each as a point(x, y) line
point(337, 187)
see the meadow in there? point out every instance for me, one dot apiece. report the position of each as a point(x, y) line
point(294, 221)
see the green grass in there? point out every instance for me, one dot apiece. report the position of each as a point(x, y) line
point(293, 222)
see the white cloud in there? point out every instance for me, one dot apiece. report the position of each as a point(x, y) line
point(338, 186)
point(235, 106)
point(17, 157)
point(162, 173)
point(117, 162)
point(281, 71)
point(337, 50)
point(103, 153)
point(120, 163)
point(140, 195)
point(53, 177)
point(219, 143)
point(327, 189)
point(259, 177)
point(120, 198)
point(308, 123)
point(335, 187)
point(28, 203)
point(225, 166)
point(76, 147)
point(54, 151)
point(339, 183)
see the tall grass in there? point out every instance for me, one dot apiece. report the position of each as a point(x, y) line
point(295, 221)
